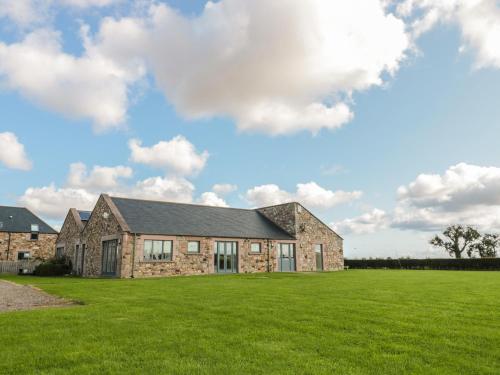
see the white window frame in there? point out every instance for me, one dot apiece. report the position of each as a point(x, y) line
point(259, 244)
point(198, 246)
point(169, 256)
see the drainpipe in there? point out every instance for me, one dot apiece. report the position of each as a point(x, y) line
point(268, 255)
point(8, 247)
point(133, 257)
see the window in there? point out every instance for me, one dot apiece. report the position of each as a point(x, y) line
point(155, 250)
point(23, 255)
point(193, 246)
point(34, 232)
point(59, 252)
point(255, 247)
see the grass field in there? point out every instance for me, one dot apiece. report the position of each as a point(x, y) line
point(353, 322)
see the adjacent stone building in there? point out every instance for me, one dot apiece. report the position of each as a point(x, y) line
point(140, 238)
point(23, 235)
point(68, 242)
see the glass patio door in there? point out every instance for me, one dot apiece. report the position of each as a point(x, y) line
point(318, 250)
point(109, 257)
point(226, 257)
point(286, 257)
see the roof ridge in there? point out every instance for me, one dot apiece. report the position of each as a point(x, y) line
point(21, 208)
point(184, 204)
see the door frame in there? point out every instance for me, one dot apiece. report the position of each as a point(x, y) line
point(322, 255)
point(115, 273)
point(279, 257)
point(236, 256)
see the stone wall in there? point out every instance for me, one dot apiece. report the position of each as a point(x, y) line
point(102, 225)
point(308, 231)
point(283, 215)
point(311, 231)
point(43, 248)
point(184, 263)
point(70, 234)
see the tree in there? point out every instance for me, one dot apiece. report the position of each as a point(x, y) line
point(460, 239)
point(487, 246)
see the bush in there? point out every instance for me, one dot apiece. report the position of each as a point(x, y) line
point(53, 267)
point(427, 264)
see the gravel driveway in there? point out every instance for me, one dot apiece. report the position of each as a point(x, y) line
point(23, 297)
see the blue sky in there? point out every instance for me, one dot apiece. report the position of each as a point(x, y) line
point(430, 126)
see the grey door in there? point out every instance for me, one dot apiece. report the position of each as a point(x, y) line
point(318, 250)
point(286, 257)
point(226, 257)
point(109, 257)
point(80, 260)
point(75, 259)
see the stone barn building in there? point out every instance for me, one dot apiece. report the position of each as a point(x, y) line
point(69, 240)
point(24, 236)
point(139, 238)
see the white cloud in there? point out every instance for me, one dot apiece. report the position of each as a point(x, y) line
point(223, 189)
point(267, 195)
point(28, 13)
point(172, 189)
point(278, 69)
point(54, 203)
point(100, 178)
point(178, 155)
point(82, 188)
point(210, 198)
point(12, 153)
point(23, 12)
point(478, 20)
point(369, 222)
point(465, 194)
point(309, 194)
point(91, 86)
point(88, 3)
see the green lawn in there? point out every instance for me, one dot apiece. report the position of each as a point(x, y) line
point(353, 322)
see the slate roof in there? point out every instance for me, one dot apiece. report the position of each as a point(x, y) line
point(84, 215)
point(167, 218)
point(19, 220)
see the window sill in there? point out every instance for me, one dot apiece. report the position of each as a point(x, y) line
point(156, 261)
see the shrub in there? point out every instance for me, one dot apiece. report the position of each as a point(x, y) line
point(53, 267)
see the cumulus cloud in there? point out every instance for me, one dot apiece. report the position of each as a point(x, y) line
point(309, 194)
point(210, 198)
point(369, 222)
point(278, 68)
point(88, 3)
point(174, 189)
point(100, 178)
point(23, 12)
point(178, 156)
point(82, 188)
point(26, 13)
point(478, 20)
point(52, 202)
point(224, 189)
point(91, 86)
point(465, 193)
point(12, 153)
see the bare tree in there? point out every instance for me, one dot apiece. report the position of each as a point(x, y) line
point(458, 239)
